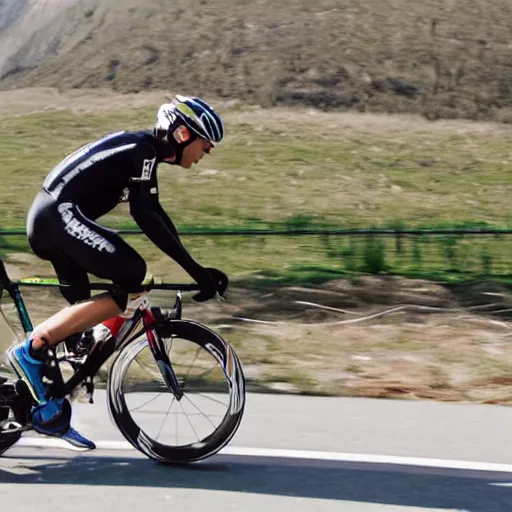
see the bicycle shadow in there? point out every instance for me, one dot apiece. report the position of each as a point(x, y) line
point(329, 480)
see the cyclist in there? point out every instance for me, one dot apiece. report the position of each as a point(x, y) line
point(61, 228)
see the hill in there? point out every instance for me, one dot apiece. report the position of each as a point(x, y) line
point(440, 58)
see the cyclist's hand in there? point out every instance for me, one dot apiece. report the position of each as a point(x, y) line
point(221, 280)
point(211, 282)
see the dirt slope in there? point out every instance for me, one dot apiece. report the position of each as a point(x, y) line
point(442, 58)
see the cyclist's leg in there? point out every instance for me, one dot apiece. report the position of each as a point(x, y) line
point(75, 246)
point(69, 320)
point(86, 247)
point(73, 277)
point(51, 417)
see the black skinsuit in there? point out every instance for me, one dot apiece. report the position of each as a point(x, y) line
point(88, 184)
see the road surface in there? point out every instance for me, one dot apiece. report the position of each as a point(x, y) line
point(305, 453)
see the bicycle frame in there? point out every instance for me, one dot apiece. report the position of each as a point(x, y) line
point(101, 351)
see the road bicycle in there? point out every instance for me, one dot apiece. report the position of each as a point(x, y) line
point(160, 362)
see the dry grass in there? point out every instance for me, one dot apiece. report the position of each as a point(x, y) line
point(452, 352)
point(361, 170)
point(456, 353)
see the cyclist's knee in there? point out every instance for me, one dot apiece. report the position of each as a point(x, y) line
point(129, 271)
point(128, 302)
point(75, 293)
point(130, 294)
point(120, 297)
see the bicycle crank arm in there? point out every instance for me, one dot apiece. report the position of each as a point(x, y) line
point(11, 427)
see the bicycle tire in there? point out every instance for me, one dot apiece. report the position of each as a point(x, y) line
point(225, 356)
point(6, 440)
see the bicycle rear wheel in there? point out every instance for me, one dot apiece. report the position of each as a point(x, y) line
point(153, 420)
point(7, 415)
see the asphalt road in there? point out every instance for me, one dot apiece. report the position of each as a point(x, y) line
point(386, 455)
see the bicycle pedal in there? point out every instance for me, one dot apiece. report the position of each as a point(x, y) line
point(10, 427)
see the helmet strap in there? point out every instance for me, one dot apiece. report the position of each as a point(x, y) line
point(179, 137)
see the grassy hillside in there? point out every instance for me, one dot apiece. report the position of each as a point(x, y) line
point(265, 172)
point(358, 171)
point(440, 58)
point(354, 170)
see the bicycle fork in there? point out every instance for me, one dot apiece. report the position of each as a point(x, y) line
point(162, 360)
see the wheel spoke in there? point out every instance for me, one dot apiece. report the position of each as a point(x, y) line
point(190, 423)
point(179, 365)
point(192, 364)
point(151, 374)
point(212, 399)
point(200, 376)
point(166, 416)
point(190, 414)
point(201, 412)
point(146, 403)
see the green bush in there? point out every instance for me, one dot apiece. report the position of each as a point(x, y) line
point(374, 255)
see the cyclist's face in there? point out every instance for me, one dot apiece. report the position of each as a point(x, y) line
point(194, 152)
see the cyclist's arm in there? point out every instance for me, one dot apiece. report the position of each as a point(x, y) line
point(156, 225)
point(149, 215)
point(165, 218)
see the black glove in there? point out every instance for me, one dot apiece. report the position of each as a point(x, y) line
point(212, 281)
point(221, 279)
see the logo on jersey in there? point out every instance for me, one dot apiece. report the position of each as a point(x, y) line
point(72, 166)
point(147, 170)
point(82, 232)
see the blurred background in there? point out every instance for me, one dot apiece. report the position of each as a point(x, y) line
point(360, 202)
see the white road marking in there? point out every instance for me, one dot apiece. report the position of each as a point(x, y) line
point(50, 442)
point(18, 470)
point(36, 442)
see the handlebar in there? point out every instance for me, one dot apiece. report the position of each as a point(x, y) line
point(108, 286)
point(6, 282)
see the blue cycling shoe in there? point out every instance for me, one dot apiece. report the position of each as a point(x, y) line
point(52, 417)
point(29, 369)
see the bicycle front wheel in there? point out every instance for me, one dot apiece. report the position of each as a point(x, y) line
point(160, 425)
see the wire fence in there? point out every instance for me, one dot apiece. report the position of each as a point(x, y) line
point(451, 252)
